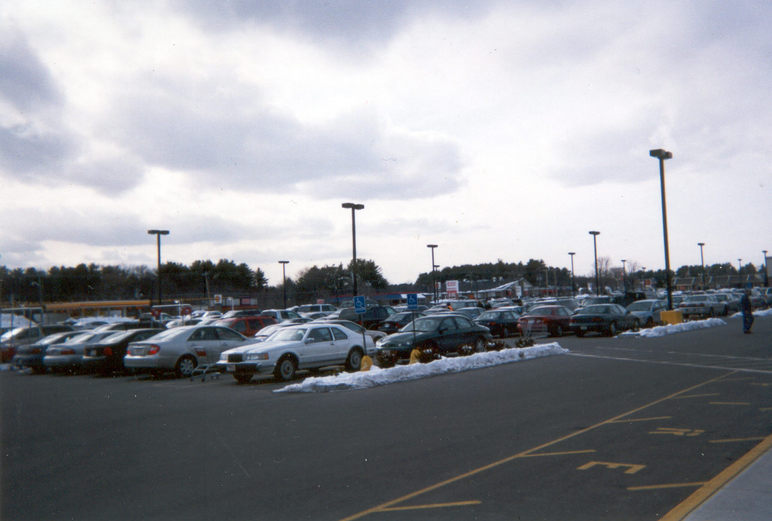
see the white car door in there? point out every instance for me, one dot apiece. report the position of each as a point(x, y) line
point(320, 346)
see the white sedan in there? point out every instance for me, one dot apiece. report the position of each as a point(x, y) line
point(181, 349)
point(306, 346)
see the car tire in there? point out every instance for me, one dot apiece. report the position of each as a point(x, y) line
point(650, 322)
point(429, 352)
point(557, 330)
point(242, 378)
point(354, 360)
point(612, 329)
point(285, 368)
point(479, 346)
point(579, 333)
point(185, 366)
point(636, 325)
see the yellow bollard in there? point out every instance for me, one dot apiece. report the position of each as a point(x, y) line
point(671, 317)
point(366, 364)
point(415, 356)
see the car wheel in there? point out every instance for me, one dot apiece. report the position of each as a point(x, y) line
point(285, 369)
point(579, 333)
point(557, 330)
point(650, 322)
point(612, 329)
point(185, 366)
point(429, 352)
point(354, 360)
point(636, 325)
point(242, 378)
point(480, 346)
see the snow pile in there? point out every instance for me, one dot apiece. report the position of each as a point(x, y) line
point(756, 313)
point(672, 329)
point(402, 373)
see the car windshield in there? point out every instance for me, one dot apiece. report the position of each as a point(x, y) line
point(639, 306)
point(290, 335)
point(83, 337)
point(696, 298)
point(490, 315)
point(424, 324)
point(542, 311)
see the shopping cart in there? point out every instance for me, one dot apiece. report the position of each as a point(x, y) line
point(531, 328)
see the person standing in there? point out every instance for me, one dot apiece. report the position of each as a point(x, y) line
point(747, 311)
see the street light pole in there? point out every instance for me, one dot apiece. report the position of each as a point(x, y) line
point(434, 279)
point(663, 155)
point(573, 287)
point(702, 263)
point(595, 249)
point(284, 280)
point(624, 280)
point(766, 272)
point(354, 207)
point(158, 234)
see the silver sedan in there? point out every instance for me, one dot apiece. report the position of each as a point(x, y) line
point(181, 349)
point(69, 354)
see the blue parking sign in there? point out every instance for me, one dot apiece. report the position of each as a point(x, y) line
point(359, 305)
point(412, 301)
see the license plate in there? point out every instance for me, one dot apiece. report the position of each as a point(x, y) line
point(230, 368)
point(584, 328)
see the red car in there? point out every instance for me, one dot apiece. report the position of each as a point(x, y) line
point(553, 320)
point(247, 326)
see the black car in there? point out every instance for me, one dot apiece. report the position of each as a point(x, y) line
point(107, 355)
point(502, 323)
point(606, 319)
point(397, 321)
point(433, 336)
point(371, 318)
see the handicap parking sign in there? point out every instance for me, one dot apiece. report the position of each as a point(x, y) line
point(359, 305)
point(412, 301)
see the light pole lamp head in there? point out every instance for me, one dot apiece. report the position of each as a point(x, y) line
point(572, 253)
point(700, 244)
point(661, 154)
point(593, 232)
point(284, 262)
point(431, 246)
point(353, 206)
point(158, 232)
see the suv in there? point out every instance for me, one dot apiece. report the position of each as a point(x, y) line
point(247, 326)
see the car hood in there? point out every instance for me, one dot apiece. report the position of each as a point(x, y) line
point(260, 346)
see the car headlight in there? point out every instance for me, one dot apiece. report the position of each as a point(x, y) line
point(256, 356)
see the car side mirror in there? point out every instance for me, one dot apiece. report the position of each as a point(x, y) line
point(308, 341)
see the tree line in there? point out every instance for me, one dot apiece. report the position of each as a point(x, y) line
point(204, 278)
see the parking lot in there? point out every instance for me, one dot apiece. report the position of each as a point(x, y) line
point(618, 428)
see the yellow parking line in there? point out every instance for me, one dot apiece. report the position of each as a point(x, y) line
point(703, 493)
point(434, 505)
point(737, 440)
point(689, 396)
point(666, 485)
point(564, 453)
point(390, 504)
point(653, 418)
point(730, 403)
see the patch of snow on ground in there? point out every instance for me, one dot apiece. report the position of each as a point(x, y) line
point(672, 329)
point(402, 373)
point(757, 313)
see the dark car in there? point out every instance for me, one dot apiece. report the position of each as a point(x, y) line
point(247, 326)
point(606, 319)
point(31, 355)
point(371, 318)
point(397, 321)
point(21, 336)
point(107, 354)
point(502, 323)
point(554, 320)
point(433, 336)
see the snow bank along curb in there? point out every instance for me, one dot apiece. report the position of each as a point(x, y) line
point(402, 373)
point(676, 328)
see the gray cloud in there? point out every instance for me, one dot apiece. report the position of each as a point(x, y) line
point(24, 81)
point(346, 24)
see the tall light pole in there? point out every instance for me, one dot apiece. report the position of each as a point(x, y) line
point(702, 263)
point(354, 207)
point(158, 234)
point(766, 273)
point(573, 287)
point(284, 280)
point(663, 155)
point(434, 279)
point(595, 248)
point(624, 280)
point(739, 269)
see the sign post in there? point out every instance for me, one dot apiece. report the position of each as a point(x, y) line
point(360, 308)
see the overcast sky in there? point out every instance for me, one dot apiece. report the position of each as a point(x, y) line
point(495, 129)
